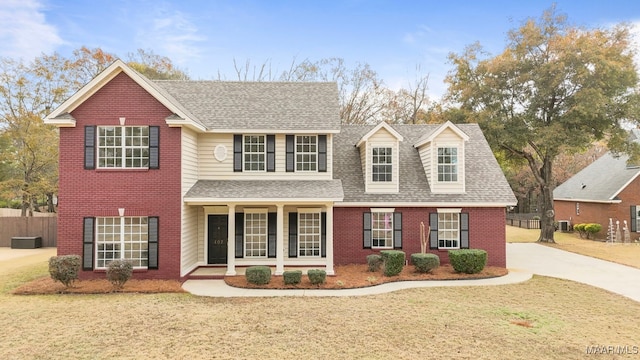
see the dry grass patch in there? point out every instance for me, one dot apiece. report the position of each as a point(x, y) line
point(355, 276)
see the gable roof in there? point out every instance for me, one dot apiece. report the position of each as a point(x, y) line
point(382, 125)
point(485, 182)
point(430, 135)
point(601, 181)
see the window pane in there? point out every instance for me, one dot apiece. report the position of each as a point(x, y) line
point(382, 169)
point(255, 235)
point(254, 153)
point(309, 234)
point(306, 153)
point(121, 238)
point(123, 146)
point(382, 229)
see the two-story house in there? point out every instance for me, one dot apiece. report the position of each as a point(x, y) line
point(178, 175)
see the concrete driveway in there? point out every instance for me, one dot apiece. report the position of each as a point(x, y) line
point(547, 261)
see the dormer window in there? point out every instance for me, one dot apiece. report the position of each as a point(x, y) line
point(254, 153)
point(382, 162)
point(447, 164)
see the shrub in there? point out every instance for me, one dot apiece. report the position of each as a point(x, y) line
point(64, 268)
point(587, 230)
point(119, 272)
point(258, 275)
point(317, 276)
point(393, 261)
point(468, 261)
point(292, 277)
point(424, 263)
point(374, 262)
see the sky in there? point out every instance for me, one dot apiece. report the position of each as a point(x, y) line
point(400, 39)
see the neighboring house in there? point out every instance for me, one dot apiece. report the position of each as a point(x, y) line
point(608, 188)
point(177, 175)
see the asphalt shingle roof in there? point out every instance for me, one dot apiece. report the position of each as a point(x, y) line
point(272, 106)
point(221, 190)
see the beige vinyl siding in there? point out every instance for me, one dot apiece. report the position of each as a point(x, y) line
point(448, 138)
point(212, 169)
point(425, 156)
point(189, 223)
point(382, 138)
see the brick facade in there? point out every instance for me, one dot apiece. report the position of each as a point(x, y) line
point(91, 193)
point(486, 231)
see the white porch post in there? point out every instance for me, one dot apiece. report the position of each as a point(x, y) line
point(280, 240)
point(231, 241)
point(329, 244)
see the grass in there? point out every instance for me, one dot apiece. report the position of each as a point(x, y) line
point(626, 254)
point(543, 318)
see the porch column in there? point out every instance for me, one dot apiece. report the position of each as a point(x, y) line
point(329, 225)
point(280, 240)
point(231, 241)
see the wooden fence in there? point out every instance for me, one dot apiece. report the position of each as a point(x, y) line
point(527, 221)
point(45, 227)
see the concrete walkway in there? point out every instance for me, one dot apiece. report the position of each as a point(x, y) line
point(547, 261)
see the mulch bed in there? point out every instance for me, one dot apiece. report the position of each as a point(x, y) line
point(46, 285)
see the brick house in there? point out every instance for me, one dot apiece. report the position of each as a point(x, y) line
point(180, 175)
point(609, 188)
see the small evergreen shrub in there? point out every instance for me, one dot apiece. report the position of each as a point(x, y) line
point(119, 272)
point(258, 275)
point(424, 263)
point(292, 277)
point(393, 261)
point(317, 276)
point(374, 262)
point(468, 261)
point(64, 268)
point(587, 231)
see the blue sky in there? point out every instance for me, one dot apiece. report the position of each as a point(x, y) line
point(204, 37)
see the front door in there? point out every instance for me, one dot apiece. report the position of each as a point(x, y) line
point(217, 239)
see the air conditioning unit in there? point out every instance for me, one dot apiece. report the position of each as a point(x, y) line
point(563, 225)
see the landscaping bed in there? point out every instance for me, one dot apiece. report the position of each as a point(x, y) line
point(46, 285)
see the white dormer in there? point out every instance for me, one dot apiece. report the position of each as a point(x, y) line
point(443, 157)
point(379, 150)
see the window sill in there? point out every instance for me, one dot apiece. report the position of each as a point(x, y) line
point(104, 270)
point(122, 170)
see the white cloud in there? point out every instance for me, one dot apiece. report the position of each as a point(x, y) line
point(25, 33)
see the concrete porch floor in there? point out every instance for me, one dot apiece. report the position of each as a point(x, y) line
point(220, 271)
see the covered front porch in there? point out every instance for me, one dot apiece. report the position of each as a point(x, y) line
point(281, 224)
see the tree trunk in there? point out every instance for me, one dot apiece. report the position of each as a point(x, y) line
point(50, 205)
point(547, 218)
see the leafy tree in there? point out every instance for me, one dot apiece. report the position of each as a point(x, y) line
point(554, 90)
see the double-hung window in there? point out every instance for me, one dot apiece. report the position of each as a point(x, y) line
point(382, 229)
point(382, 161)
point(123, 147)
point(254, 152)
point(306, 153)
point(309, 233)
point(447, 164)
point(122, 238)
point(255, 233)
point(448, 230)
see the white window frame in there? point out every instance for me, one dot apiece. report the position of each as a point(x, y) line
point(637, 218)
point(254, 160)
point(313, 237)
point(119, 151)
point(122, 238)
point(452, 175)
point(449, 229)
point(387, 164)
point(378, 217)
point(306, 153)
point(255, 242)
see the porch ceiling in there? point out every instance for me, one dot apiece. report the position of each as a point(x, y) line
point(245, 191)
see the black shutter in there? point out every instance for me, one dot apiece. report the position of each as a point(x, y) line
point(322, 153)
point(272, 225)
point(291, 154)
point(87, 243)
point(271, 153)
point(237, 153)
point(239, 235)
point(366, 230)
point(89, 147)
point(293, 235)
point(323, 234)
point(464, 230)
point(153, 242)
point(154, 147)
point(433, 236)
point(397, 230)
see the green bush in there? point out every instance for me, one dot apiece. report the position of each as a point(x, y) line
point(258, 275)
point(64, 268)
point(468, 261)
point(393, 261)
point(424, 263)
point(317, 276)
point(292, 277)
point(119, 272)
point(374, 262)
point(587, 230)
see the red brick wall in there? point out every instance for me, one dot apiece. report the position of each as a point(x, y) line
point(90, 193)
point(601, 213)
point(486, 231)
